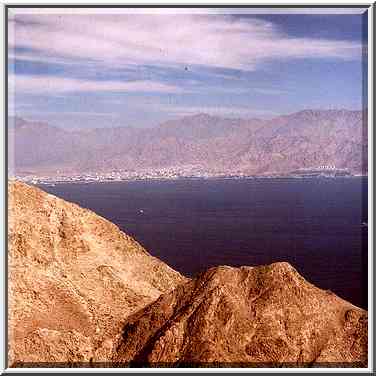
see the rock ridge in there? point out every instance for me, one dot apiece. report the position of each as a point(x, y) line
point(264, 315)
point(83, 293)
point(73, 278)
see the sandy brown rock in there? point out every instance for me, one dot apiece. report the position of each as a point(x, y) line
point(74, 277)
point(248, 316)
point(81, 290)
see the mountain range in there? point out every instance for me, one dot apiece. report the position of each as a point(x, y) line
point(309, 138)
point(83, 293)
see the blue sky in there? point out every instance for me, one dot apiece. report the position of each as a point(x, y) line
point(79, 70)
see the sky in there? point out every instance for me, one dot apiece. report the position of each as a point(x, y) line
point(96, 68)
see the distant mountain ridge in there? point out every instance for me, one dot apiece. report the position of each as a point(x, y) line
point(308, 138)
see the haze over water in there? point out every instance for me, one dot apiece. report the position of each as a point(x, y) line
point(315, 224)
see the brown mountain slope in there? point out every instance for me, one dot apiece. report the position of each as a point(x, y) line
point(246, 316)
point(73, 278)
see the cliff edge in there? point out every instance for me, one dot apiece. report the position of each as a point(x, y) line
point(73, 279)
point(82, 291)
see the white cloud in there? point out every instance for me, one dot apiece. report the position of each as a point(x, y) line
point(48, 84)
point(162, 39)
point(72, 113)
point(190, 11)
point(269, 91)
point(41, 58)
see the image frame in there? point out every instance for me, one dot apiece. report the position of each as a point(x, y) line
point(371, 142)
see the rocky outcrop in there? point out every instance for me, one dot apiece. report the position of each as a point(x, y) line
point(81, 291)
point(248, 316)
point(74, 278)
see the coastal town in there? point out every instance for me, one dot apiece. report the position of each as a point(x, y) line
point(174, 173)
point(120, 175)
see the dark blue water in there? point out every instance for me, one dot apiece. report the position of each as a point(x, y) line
point(315, 224)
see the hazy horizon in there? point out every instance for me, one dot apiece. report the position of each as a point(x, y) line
point(125, 123)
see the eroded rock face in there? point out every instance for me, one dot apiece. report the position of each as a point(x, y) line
point(246, 316)
point(80, 290)
point(73, 279)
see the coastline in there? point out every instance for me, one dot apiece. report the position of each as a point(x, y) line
point(74, 180)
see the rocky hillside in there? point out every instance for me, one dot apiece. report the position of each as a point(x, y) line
point(80, 290)
point(74, 277)
point(307, 138)
point(248, 316)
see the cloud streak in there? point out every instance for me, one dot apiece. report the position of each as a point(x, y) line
point(215, 63)
point(49, 84)
point(226, 111)
point(216, 41)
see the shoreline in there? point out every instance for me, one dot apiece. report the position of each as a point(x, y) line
point(42, 181)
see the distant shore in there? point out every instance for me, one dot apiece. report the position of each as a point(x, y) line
point(77, 180)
